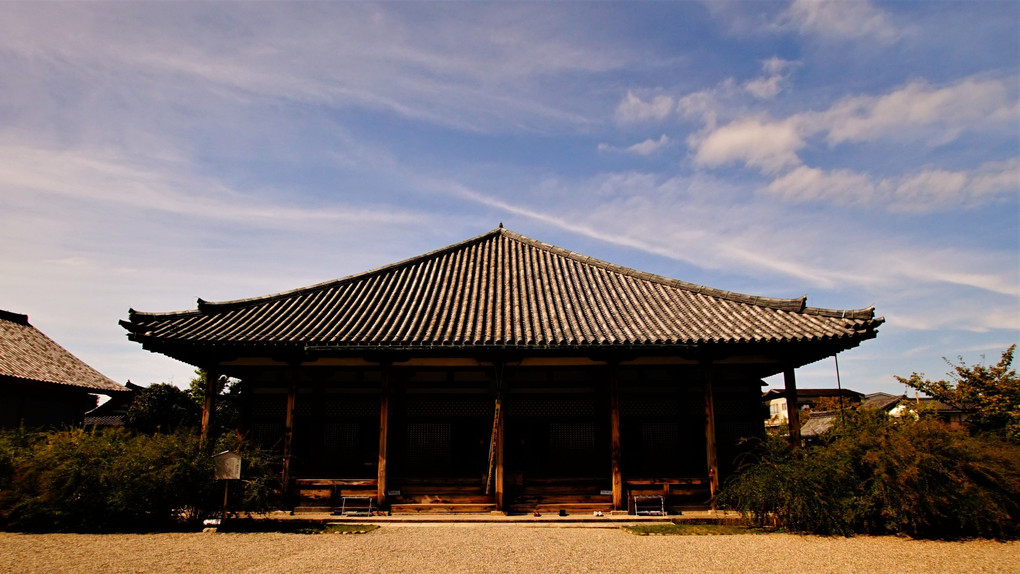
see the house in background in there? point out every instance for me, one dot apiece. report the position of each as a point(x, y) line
point(42, 384)
point(111, 413)
point(807, 399)
point(502, 374)
point(951, 415)
point(881, 401)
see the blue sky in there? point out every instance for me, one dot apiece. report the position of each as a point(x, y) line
point(859, 153)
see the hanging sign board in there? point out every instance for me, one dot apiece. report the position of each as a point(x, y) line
point(228, 465)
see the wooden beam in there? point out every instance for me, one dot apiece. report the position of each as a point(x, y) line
point(209, 404)
point(792, 412)
point(500, 428)
point(560, 362)
point(384, 430)
point(711, 453)
point(614, 432)
point(288, 429)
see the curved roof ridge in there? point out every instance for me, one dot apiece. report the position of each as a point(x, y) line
point(856, 314)
point(796, 304)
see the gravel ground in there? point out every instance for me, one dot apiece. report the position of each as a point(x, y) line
point(495, 548)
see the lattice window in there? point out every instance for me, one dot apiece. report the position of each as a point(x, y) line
point(428, 444)
point(267, 434)
point(736, 406)
point(460, 407)
point(269, 406)
point(660, 439)
point(342, 439)
point(664, 406)
point(571, 437)
point(351, 407)
point(552, 407)
point(304, 405)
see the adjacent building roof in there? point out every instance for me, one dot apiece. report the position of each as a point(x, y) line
point(819, 423)
point(812, 393)
point(28, 355)
point(881, 401)
point(499, 289)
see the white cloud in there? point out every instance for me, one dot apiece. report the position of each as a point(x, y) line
point(115, 179)
point(647, 147)
point(764, 88)
point(808, 184)
point(770, 146)
point(840, 20)
point(703, 105)
point(915, 112)
point(923, 191)
point(933, 189)
point(769, 86)
point(919, 111)
point(634, 109)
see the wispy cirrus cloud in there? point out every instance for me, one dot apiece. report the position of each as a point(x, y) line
point(837, 20)
point(646, 147)
point(105, 177)
point(471, 69)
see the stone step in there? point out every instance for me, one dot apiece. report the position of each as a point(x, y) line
point(442, 508)
point(554, 508)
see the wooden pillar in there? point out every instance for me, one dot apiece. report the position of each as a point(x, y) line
point(792, 412)
point(499, 460)
point(209, 404)
point(614, 433)
point(244, 417)
point(288, 428)
point(384, 431)
point(711, 454)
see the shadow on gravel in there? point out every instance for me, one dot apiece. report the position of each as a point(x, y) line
point(291, 526)
point(689, 529)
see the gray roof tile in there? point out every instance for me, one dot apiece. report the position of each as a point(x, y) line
point(26, 353)
point(501, 289)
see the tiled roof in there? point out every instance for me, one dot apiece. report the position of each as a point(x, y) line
point(25, 353)
point(505, 290)
point(819, 423)
point(881, 401)
point(813, 393)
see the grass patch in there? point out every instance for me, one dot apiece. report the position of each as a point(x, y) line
point(688, 529)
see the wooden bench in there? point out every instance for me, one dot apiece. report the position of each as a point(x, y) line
point(356, 506)
point(649, 506)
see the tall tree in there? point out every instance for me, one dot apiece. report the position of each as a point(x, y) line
point(162, 407)
point(989, 396)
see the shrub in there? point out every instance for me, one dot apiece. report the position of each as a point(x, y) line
point(162, 407)
point(112, 479)
point(876, 475)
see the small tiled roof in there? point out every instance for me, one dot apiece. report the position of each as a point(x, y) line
point(818, 424)
point(813, 393)
point(881, 401)
point(500, 289)
point(27, 354)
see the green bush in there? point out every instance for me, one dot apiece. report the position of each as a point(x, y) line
point(162, 407)
point(112, 479)
point(878, 475)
